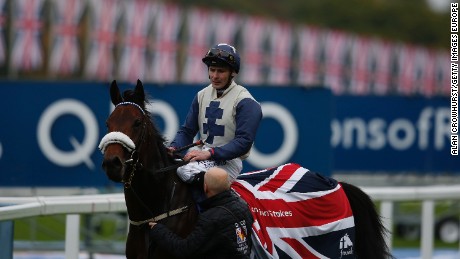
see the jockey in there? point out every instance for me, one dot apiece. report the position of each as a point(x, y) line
point(226, 116)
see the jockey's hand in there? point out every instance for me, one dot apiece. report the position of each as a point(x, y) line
point(197, 155)
point(152, 224)
point(171, 151)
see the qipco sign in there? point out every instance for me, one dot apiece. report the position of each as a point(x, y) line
point(51, 139)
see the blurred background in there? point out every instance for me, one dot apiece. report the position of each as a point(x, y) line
point(358, 90)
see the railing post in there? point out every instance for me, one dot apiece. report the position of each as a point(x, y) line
point(6, 239)
point(427, 229)
point(386, 211)
point(72, 236)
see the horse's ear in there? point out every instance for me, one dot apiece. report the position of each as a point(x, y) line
point(115, 93)
point(139, 90)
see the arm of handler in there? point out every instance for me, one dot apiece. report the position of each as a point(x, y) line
point(182, 247)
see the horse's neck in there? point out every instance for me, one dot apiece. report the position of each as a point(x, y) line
point(152, 192)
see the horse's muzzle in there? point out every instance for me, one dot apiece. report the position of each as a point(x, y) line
point(113, 167)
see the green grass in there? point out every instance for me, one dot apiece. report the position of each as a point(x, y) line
point(52, 228)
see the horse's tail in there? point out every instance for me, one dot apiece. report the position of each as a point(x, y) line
point(369, 230)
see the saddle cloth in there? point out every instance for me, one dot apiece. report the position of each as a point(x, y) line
point(297, 213)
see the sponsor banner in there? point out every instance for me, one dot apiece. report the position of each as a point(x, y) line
point(392, 134)
point(50, 130)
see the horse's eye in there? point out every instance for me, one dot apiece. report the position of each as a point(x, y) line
point(137, 123)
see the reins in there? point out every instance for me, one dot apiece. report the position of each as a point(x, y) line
point(134, 164)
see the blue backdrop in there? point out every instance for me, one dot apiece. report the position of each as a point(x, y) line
point(50, 130)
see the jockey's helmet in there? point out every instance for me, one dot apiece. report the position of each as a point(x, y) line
point(223, 54)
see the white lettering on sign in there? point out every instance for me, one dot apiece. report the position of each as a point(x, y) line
point(81, 151)
point(431, 129)
point(290, 137)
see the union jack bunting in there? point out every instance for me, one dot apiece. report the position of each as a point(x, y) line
point(163, 66)
point(2, 39)
point(225, 25)
point(406, 64)
point(380, 57)
point(100, 60)
point(309, 49)
point(253, 54)
point(360, 67)
point(297, 213)
point(27, 50)
point(65, 54)
point(423, 71)
point(280, 59)
point(337, 44)
point(442, 76)
point(427, 80)
point(199, 36)
point(138, 17)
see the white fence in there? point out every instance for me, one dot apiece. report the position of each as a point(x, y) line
point(74, 205)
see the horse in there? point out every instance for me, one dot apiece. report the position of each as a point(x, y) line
point(135, 155)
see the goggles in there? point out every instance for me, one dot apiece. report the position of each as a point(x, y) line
point(218, 53)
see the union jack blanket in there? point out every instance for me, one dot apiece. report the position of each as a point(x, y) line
point(297, 213)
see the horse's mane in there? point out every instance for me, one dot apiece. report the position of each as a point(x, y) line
point(131, 96)
point(143, 101)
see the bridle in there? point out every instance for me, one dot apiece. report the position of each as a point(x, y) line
point(134, 164)
point(128, 144)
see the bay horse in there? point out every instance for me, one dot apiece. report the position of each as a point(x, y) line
point(135, 155)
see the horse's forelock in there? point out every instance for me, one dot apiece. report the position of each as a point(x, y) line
point(131, 96)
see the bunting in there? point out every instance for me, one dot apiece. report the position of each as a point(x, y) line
point(27, 50)
point(225, 25)
point(65, 54)
point(380, 58)
point(100, 61)
point(280, 38)
point(167, 23)
point(133, 62)
point(198, 43)
point(406, 66)
point(309, 49)
point(360, 67)
point(427, 81)
point(423, 72)
point(336, 46)
point(442, 76)
point(2, 26)
point(253, 54)
point(150, 44)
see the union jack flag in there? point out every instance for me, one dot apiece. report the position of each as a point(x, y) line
point(27, 52)
point(280, 59)
point(167, 21)
point(254, 34)
point(139, 15)
point(198, 40)
point(225, 26)
point(65, 56)
point(298, 213)
point(309, 47)
point(2, 40)
point(100, 63)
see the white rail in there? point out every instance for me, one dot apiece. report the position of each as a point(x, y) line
point(79, 204)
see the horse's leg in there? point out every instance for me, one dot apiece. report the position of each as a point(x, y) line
point(369, 230)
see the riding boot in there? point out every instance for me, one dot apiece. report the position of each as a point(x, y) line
point(197, 190)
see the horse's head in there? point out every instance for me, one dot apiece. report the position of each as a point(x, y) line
point(127, 129)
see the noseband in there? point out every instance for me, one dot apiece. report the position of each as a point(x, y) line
point(127, 143)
